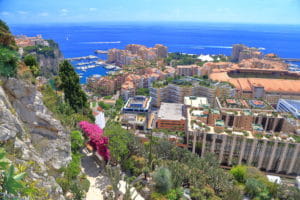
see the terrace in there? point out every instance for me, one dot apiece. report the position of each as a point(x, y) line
point(244, 104)
point(189, 82)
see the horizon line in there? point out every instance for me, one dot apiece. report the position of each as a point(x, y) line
point(154, 22)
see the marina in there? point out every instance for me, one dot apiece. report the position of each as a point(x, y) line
point(88, 66)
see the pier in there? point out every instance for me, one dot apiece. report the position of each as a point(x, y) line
point(101, 52)
point(291, 59)
point(82, 58)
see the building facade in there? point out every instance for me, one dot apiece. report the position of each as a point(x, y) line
point(268, 155)
point(175, 93)
point(188, 70)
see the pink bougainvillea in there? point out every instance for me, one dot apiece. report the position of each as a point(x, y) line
point(96, 138)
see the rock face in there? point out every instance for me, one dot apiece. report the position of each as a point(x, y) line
point(49, 64)
point(48, 135)
point(36, 135)
point(10, 125)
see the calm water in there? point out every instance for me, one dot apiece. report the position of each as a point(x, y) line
point(196, 38)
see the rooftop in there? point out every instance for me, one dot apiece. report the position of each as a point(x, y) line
point(195, 102)
point(137, 103)
point(270, 85)
point(243, 104)
point(294, 103)
point(171, 111)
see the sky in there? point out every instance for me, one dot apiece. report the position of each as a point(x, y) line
point(81, 11)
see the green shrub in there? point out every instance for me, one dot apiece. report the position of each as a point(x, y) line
point(30, 60)
point(84, 184)
point(175, 194)
point(107, 97)
point(239, 173)
point(104, 105)
point(73, 168)
point(62, 110)
point(163, 180)
point(78, 193)
point(64, 183)
point(77, 141)
point(256, 189)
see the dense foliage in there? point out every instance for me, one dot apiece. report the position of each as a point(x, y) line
point(6, 38)
point(8, 54)
point(62, 110)
point(202, 175)
point(8, 62)
point(257, 186)
point(31, 62)
point(177, 58)
point(47, 51)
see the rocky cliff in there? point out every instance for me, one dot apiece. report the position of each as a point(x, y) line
point(29, 131)
point(48, 56)
point(49, 62)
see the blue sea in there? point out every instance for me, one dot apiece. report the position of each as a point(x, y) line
point(195, 38)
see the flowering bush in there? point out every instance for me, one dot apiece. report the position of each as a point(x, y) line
point(96, 138)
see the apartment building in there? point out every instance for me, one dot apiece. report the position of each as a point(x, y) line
point(176, 91)
point(171, 116)
point(243, 113)
point(276, 156)
point(241, 52)
point(103, 86)
point(234, 142)
point(134, 52)
point(188, 70)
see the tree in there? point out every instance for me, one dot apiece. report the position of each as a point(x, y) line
point(30, 60)
point(163, 180)
point(74, 95)
point(121, 142)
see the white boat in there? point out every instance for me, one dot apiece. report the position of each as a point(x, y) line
point(111, 72)
point(96, 76)
point(92, 57)
point(99, 62)
point(110, 67)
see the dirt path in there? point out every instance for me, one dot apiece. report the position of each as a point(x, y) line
point(97, 180)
